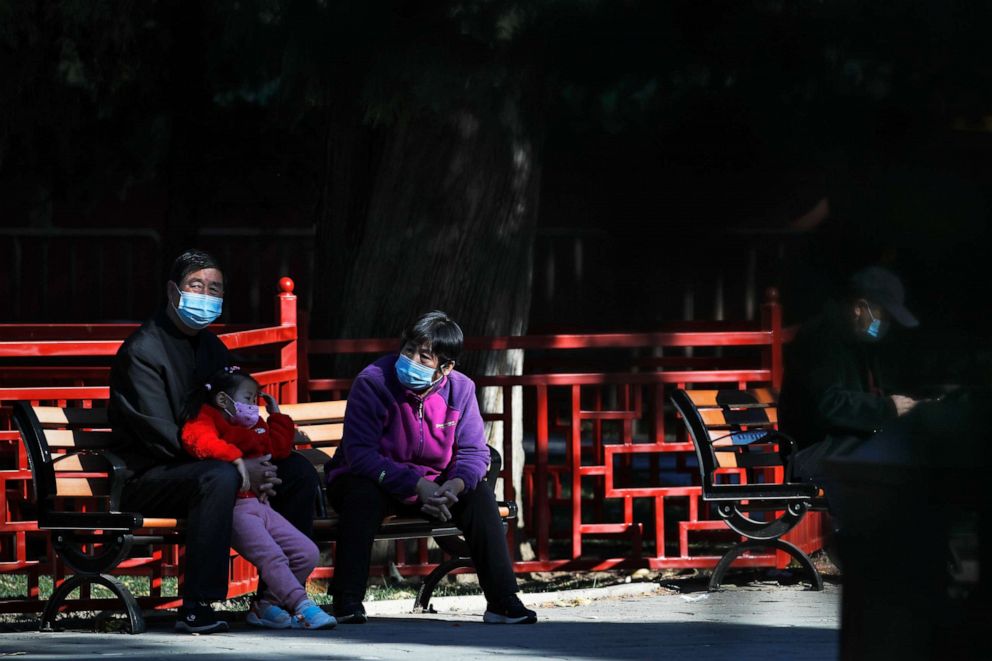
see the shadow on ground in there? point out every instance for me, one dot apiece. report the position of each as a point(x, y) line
point(388, 638)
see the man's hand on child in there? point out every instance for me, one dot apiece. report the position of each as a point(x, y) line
point(239, 463)
point(263, 477)
point(270, 402)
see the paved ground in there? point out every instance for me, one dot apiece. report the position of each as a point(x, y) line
point(637, 621)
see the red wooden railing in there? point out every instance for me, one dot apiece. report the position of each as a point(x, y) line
point(574, 500)
point(81, 354)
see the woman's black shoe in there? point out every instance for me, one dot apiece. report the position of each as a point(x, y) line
point(509, 610)
point(353, 614)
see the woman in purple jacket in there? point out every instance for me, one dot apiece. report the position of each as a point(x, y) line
point(414, 442)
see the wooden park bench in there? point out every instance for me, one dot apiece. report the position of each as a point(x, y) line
point(735, 429)
point(71, 453)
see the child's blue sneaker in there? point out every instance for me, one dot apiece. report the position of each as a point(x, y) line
point(310, 616)
point(269, 616)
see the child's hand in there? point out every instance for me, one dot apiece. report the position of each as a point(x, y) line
point(270, 402)
point(239, 463)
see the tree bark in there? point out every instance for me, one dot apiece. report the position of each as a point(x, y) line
point(451, 224)
point(351, 154)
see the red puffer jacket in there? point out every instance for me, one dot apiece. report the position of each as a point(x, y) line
point(210, 436)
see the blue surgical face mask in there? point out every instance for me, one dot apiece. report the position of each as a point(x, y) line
point(198, 310)
point(874, 330)
point(413, 375)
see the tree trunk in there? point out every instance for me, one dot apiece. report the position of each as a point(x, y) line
point(351, 152)
point(450, 226)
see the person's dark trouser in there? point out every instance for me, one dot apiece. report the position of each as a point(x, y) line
point(361, 506)
point(203, 493)
point(296, 497)
point(809, 464)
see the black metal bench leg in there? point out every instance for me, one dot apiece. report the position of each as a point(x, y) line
point(423, 602)
point(721, 568)
point(136, 622)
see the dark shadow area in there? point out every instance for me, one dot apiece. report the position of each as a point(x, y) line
point(585, 640)
point(915, 510)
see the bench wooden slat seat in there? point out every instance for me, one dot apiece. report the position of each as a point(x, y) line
point(313, 413)
point(56, 417)
point(736, 429)
point(71, 453)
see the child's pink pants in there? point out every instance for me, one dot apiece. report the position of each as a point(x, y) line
point(282, 554)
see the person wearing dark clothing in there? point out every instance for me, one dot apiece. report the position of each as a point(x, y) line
point(414, 443)
point(153, 373)
point(924, 475)
point(833, 394)
point(150, 379)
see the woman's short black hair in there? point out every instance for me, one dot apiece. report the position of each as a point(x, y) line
point(191, 261)
point(439, 332)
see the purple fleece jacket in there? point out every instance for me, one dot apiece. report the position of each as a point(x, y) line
point(395, 437)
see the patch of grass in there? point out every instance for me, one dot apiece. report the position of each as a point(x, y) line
point(13, 586)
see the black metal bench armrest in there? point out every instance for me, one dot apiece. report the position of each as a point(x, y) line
point(786, 444)
point(495, 466)
point(788, 491)
point(125, 521)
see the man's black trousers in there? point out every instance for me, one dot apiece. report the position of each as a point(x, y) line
point(203, 493)
point(361, 505)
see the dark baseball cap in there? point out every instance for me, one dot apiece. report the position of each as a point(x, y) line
point(882, 287)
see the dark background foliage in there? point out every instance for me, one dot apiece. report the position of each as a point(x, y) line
point(642, 161)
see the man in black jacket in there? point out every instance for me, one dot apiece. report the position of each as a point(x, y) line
point(151, 378)
point(832, 391)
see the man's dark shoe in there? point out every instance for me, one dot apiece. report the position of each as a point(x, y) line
point(351, 614)
point(199, 619)
point(509, 610)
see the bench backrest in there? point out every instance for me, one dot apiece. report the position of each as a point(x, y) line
point(323, 425)
point(68, 452)
point(70, 449)
point(730, 428)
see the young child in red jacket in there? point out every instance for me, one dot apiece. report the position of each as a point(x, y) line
point(222, 423)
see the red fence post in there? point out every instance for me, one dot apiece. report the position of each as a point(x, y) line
point(771, 320)
point(286, 316)
point(542, 508)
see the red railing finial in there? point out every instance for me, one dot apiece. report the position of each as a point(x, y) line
point(286, 284)
point(771, 295)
